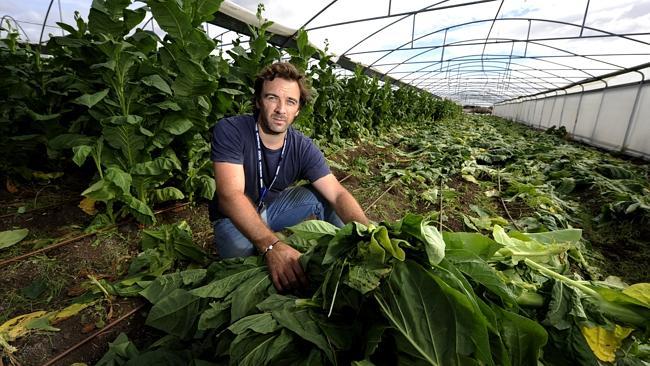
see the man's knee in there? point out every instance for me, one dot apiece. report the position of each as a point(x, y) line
point(230, 242)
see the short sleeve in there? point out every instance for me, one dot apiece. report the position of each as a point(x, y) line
point(315, 164)
point(227, 144)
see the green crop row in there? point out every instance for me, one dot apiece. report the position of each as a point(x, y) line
point(133, 110)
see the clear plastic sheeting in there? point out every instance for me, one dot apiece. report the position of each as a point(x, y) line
point(542, 62)
point(616, 118)
point(475, 52)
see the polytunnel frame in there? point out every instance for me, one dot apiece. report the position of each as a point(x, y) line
point(231, 21)
point(488, 40)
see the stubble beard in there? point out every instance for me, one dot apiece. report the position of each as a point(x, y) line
point(269, 129)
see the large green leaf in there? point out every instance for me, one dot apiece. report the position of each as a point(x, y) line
point(89, 100)
point(171, 18)
point(255, 349)
point(157, 82)
point(158, 166)
point(571, 236)
point(205, 10)
point(518, 249)
point(314, 229)
point(476, 243)
point(176, 124)
point(11, 237)
point(175, 314)
point(186, 87)
point(305, 323)
point(523, 337)
point(438, 322)
point(133, 17)
point(434, 245)
point(164, 285)
point(199, 44)
point(127, 139)
point(168, 194)
point(119, 351)
point(139, 209)
point(119, 178)
point(215, 317)
point(100, 22)
point(222, 287)
point(481, 272)
point(263, 323)
point(102, 190)
point(80, 154)
point(248, 294)
point(69, 140)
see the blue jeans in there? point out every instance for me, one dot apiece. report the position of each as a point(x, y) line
point(292, 206)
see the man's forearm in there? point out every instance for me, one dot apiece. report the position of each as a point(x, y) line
point(240, 211)
point(348, 209)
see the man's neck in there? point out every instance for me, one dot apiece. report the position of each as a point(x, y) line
point(271, 140)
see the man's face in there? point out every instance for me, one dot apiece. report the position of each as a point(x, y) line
point(279, 105)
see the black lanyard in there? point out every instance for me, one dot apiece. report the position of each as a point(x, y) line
point(263, 190)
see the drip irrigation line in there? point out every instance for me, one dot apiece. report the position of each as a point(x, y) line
point(39, 208)
point(503, 203)
point(83, 236)
point(380, 196)
point(94, 335)
point(54, 246)
point(440, 212)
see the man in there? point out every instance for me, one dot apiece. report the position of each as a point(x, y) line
point(256, 159)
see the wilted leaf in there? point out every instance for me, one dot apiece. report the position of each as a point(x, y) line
point(11, 186)
point(640, 292)
point(17, 327)
point(87, 205)
point(69, 311)
point(470, 178)
point(605, 342)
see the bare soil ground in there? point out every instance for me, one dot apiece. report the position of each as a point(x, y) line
point(51, 280)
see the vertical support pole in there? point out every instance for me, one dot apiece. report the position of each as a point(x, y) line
point(584, 18)
point(541, 114)
point(527, 38)
point(442, 55)
point(575, 123)
point(559, 123)
point(600, 107)
point(550, 116)
point(413, 32)
point(635, 108)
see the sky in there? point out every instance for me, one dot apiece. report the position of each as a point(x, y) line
point(470, 70)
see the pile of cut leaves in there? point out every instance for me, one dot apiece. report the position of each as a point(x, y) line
point(398, 293)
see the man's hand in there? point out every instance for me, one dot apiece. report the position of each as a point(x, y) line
point(284, 267)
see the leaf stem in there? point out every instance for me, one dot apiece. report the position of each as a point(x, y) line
point(562, 278)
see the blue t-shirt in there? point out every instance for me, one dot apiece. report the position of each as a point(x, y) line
point(234, 141)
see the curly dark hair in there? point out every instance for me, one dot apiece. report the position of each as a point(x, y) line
point(285, 71)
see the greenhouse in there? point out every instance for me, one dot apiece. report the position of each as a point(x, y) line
point(325, 182)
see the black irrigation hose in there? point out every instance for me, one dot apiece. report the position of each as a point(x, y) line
point(47, 207)
point(380, 196)
point(94, 335)
point(77, 238)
